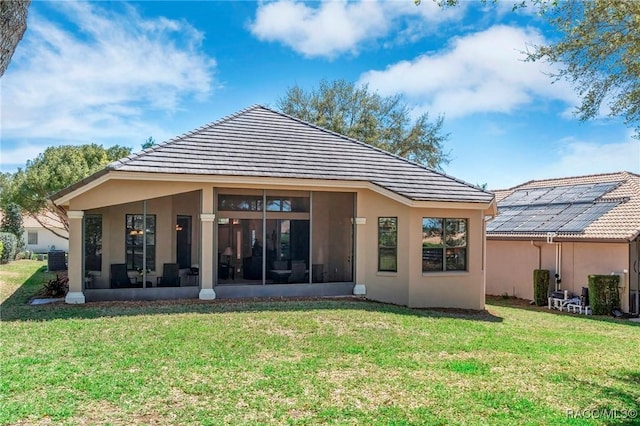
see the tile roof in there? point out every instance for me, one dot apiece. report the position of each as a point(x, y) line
point(620, 223)
point(261, 142)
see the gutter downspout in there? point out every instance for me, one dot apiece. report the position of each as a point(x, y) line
point(539, 254)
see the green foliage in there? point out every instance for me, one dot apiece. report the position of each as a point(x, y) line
point(1, 249)
point(55, 169)
point(149, 143)
point(540, 286)
point(9, 243)
point(603, 293)
point(384, 122)
point(56, 287)
point(12, 222)
point(598, 53)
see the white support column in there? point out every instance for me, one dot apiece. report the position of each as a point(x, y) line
point(360, 289)
point(75, 294)
point(207, 219)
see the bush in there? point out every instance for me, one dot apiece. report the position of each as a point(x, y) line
point(1, 249)
point(23, 255)
point(540, 286)
point(12, 222)
point(9, 242)
point(57, 287)
point(603, 293)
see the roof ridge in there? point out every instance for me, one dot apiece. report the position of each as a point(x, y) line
point(612, 174)
point(634, 184)
point(121, 162)
point(375, 148)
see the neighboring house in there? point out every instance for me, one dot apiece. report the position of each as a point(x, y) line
point(39, 239)
point(573, 227)
point(262, 204)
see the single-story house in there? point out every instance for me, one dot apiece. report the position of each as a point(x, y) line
point(262, 204)
point(573, 227)
point(39, 239)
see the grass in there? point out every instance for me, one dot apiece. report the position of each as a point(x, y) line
point(306, 362)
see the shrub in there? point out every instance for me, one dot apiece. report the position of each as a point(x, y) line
point(9, 242)
point(12, 222)
point(540, 286)
point(57, 287)
point(603, 293)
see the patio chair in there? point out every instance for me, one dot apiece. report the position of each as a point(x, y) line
point(120, 278)
point(170, 275)
point(298, 272)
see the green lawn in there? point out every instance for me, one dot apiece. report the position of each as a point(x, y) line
point(306, 362)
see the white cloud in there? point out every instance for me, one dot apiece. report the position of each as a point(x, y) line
point(336, 27)
point(480, 72)
point(575, 157)
point(95, 83)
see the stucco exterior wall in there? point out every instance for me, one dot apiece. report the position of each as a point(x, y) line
point(46, 240)
point(410, 286)
point(510, 265)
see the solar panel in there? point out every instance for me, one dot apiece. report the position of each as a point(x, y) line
point(595, 192)
point(504, 216)
point(590, 215)
point(568, 208)
point(523, 197)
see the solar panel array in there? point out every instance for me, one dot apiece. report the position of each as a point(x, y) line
point(568, 208)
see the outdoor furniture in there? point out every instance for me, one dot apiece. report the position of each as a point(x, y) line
point(298, 272)
point(574, 305)
point(194, 273)
point(120, 278)
point(170, 275)
point(317, 273)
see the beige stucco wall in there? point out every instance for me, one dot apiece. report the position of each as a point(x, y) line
point(510, 265)
point(410, 286)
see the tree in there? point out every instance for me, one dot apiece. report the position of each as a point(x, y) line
point(384, 122)
point(12, 223)
point(53, 170)
point(13, 15)
point(149, 142)
point(599, 53)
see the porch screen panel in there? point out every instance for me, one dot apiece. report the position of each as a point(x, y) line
point(93, 242)
point(332, 236)
point(135, 236)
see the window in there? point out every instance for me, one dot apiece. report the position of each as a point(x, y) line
point(288, 204)
point(32, 238)
point(444, 244)
point(93, 242)
point(240, 202)
point(388, 244)
point(136, 234)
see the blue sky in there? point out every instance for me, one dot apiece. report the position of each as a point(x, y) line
point(117, 73)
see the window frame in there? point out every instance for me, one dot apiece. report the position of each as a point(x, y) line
point(387, 247)
point(445, 249)
point(30, 241)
